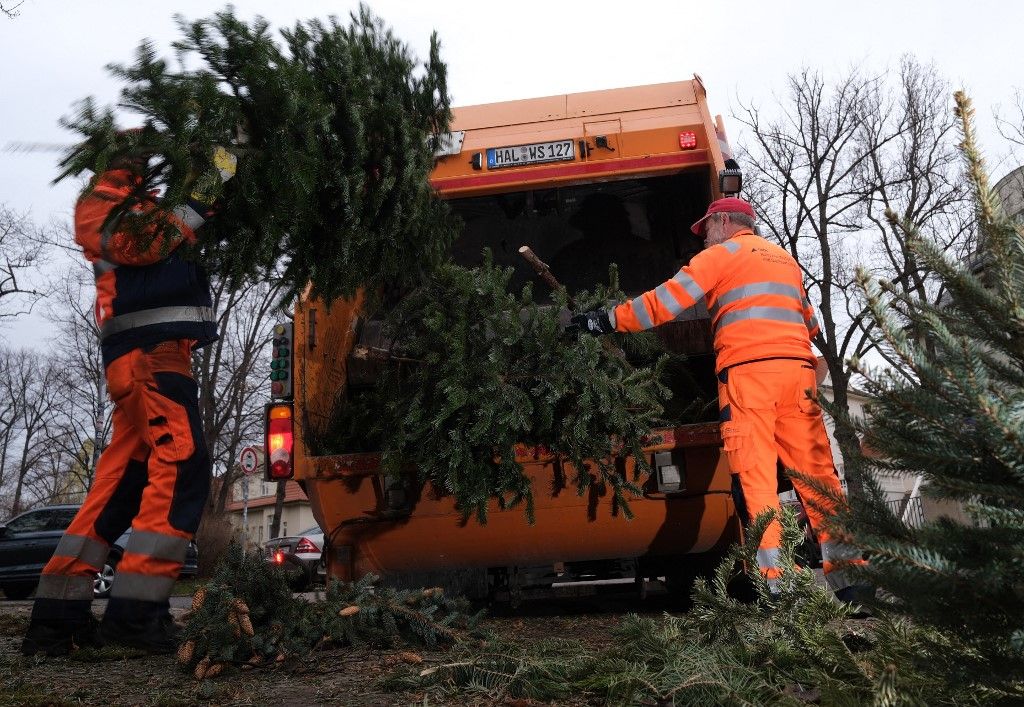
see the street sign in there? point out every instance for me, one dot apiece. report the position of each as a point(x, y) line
point(249, 460)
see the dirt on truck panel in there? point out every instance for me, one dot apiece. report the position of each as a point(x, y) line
point(587, 178)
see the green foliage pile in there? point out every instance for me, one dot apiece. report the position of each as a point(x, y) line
point(478, 369)
point(340, 123)
point(952, 411)
point(247, 615)
point(798, 647)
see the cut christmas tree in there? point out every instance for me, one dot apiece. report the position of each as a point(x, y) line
point(334, 127)
point(950, 412)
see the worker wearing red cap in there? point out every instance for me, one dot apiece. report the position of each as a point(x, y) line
point(153, 307)
point(763, 324)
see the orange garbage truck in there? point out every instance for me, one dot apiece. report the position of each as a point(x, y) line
point(583, 179)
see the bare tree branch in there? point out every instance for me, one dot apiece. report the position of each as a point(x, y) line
point(21, 253)
point(824, 167)
point(11, 10)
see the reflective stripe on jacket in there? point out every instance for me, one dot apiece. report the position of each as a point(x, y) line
point(754, 293)
point(143, 295)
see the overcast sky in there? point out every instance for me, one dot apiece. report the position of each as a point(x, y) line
point(55, 51)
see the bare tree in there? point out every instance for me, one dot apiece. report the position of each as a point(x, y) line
point(20, 252)
point(825, 162)
point(84, 415)
point(33, 380)
point(11, 9)
point(232, 374)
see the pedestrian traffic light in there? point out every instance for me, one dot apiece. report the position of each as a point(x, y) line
point(281, 361)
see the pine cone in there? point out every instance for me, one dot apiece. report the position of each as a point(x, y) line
point(185, 652)
point(349, 611)
point(246, 623)
point(215, 670)
point(198, 598)
point(233, 620)
point(433, 591)
point(201, 668)
point(240, 606)
point(279, 658)
point(255, 660)
point(409, 657)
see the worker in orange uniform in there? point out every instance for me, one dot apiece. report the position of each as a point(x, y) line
point(153, 307)
point(763, 324)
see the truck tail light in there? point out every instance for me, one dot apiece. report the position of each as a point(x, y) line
point(279, 440)
point(687, 140)
point(306, 545)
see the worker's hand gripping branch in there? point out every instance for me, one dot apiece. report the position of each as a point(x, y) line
point(206, 191)
point(594, 323)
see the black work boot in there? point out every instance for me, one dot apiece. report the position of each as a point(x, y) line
point(155, 635)
point(87, 634)
point(51, 638)
point(57, 638)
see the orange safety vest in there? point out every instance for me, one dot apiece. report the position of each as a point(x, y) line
point(755, 295)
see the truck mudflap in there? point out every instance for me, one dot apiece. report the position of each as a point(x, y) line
point(390, 525)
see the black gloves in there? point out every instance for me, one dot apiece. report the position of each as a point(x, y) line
point(593, 323)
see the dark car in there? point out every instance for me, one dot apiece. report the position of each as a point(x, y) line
point(27, 542)
point(301, 556)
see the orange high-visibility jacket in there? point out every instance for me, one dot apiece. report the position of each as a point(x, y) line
point(754, 293)
point(143, 296)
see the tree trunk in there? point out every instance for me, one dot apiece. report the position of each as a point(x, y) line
point(275, 523)
point(99, 414)
point(845, 434)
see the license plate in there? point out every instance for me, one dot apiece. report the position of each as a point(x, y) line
point(536, 153)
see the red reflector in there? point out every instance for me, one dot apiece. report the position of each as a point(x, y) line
point(306, 545)
point(688, 140)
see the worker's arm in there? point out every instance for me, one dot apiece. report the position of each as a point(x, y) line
point(129, 244)
point(809, 317)
point(665, 302)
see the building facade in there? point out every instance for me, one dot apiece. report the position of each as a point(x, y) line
point(253, 517)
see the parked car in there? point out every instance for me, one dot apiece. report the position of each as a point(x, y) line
point(27, 542)
point(301, 557)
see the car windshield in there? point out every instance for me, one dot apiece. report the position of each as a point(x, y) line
point(315, 530)
point(30, 522)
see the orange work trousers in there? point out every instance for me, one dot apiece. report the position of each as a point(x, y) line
point(767, 416)
point(154, 476)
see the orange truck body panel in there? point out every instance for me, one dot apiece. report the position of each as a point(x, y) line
point(349, 493)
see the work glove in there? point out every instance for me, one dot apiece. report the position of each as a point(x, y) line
point(205, 191)
point(594, 323)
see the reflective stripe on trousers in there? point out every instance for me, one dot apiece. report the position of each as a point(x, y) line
point(91, 552)
point(769, 563)
point(835, 558)
point(158, 545)
point(64, 587)
point(142, 587)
